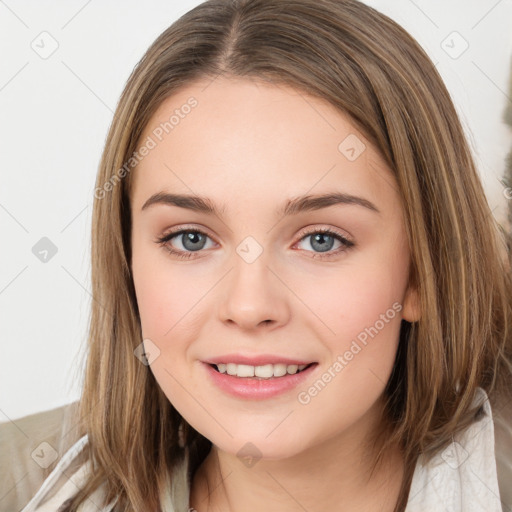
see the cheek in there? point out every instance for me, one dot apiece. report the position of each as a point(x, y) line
point(360, 316)
point(171, 301)
point(364, 311)
point(354, 299)
point(166, 293)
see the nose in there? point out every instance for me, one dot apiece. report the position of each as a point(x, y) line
point(253, 294)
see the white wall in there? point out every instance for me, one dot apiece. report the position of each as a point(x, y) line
point(55, 113)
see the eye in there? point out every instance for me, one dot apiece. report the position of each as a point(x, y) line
point(194, 240)
point(323, 239)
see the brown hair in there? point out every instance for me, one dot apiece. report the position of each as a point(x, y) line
point(367, 66)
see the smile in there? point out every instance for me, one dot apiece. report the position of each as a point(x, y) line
point(266, 371)
point(258, 382)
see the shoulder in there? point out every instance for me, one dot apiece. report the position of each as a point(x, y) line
point(29, 449)
point(502, 416)
point(70, 474)
point(73, 471)
point(42, 460)
point(473, 473)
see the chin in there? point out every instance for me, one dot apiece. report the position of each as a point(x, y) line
point(251, 447)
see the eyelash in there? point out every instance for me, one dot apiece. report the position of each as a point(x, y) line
point(346, 244)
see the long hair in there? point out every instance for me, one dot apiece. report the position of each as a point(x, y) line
point(370, 68)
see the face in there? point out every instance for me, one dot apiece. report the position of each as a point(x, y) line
point(323, 284)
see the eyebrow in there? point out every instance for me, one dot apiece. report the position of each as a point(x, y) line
point(291, 207)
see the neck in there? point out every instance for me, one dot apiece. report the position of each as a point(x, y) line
point(335, 474)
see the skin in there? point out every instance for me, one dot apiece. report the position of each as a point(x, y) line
point(250, 146)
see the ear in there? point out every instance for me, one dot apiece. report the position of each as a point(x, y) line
point(411, 310)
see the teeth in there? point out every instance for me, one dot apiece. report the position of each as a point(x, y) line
point(266, 371)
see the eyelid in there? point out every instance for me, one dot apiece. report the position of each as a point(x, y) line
point(311, 230)
point(304, 232)
point(186, 227)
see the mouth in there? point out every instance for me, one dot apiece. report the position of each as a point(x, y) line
point(260, 382)
point(262, 372)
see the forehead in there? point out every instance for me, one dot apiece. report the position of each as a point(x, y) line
point(233, 135)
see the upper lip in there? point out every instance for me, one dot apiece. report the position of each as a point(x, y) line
point(258, 360)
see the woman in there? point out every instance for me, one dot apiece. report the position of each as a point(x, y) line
point(261, 372)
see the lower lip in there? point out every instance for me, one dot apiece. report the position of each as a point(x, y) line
point(257, 388)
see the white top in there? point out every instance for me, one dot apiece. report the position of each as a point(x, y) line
point(461, 478)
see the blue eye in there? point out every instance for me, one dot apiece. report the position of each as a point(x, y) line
point(323, 240)
point(193, 240)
